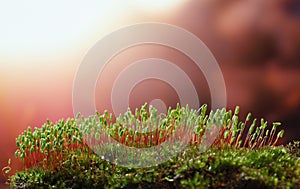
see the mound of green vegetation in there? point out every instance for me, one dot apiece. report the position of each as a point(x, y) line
point(57, 155)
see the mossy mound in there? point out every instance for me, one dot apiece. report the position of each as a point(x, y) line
point(268, 167)
point(59, 155)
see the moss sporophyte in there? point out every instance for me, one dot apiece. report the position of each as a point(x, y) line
point(242, 153)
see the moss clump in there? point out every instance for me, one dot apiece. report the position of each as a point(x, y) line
point(268, 167)
point(57, 156)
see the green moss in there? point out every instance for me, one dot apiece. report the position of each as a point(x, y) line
point(268, 167)
point(56, 155)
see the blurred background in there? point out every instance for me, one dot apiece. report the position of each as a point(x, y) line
point(256, 43)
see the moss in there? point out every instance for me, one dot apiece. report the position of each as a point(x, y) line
point(268, 167)
point(56, 155)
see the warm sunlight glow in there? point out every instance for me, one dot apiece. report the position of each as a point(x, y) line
point(156, 5)
point(36, 27)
